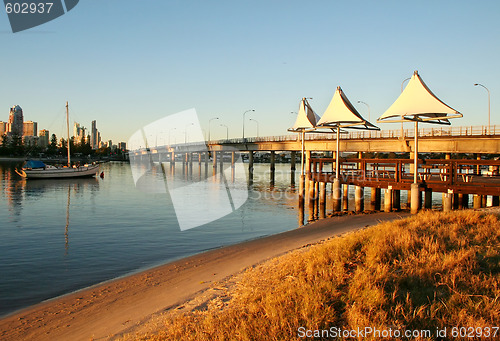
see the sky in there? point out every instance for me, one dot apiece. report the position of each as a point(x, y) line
point(127, 63)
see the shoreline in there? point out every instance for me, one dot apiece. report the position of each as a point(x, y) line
point(121, 305)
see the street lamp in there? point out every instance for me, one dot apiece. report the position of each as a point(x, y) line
point(244, 121)
point(368, 109)
point(227, 131)
point(489, 127)
point(257, 122)
point(210, 120)
point(185, 131)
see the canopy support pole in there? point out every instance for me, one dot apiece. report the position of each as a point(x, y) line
point(415, 154)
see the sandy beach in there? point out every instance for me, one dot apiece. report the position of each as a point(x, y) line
point(120, 306)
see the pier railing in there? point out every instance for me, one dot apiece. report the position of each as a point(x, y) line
point(461, 176)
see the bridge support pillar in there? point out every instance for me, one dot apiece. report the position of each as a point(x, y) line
point(495, 200)
point(272, 166)
point(447, 201)
point(221, 162)
point(206, 156)
point(359, 199)
point(311, 200)
point(345, 197)
point(484, 200)
point(408, 199)
point(172, 159)
point(388, 199)
point(396, 199)
point(415, 198)
point(292, 168)
point(190, 169)
point(214, 162)
point(336, 195)
point(428, 198)
point(250, 166)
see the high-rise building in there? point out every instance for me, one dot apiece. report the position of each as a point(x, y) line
point(122, 146)
point(79, 133)
point(43, 141)
point(93, 136)
point(30, 128)
point(15, 124)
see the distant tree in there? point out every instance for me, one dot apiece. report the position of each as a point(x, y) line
point(52, 147)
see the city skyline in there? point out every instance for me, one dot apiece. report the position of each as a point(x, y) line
point(141, 61)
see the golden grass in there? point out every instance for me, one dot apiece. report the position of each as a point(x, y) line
point(433, 270)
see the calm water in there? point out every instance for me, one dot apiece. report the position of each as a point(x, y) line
point(57, 236)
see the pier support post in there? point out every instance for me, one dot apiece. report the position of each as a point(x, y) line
point(447, 201)
point(408, 199)
point(388, 199)
point(495, 200)
point(221, 162)
point(415, 198)
point(292, 168)
point(301, 199)
point(359, 199)
point(396, 199)
point(428, 198)
point(272, 166)
point(465, 201)
point(322, 200)
point(336, 195)
point(172, 159)
point(345, 197)
point(375, 199)
point(311, 198)
point(476, 201)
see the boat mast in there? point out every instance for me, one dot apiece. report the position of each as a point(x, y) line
point(67, 126)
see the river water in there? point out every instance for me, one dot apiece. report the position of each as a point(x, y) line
point(58, 236)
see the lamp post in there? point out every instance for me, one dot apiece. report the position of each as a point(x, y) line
point(244, 121)
point(489, 126)
point(368, 109)
point(185, 131)
point(227, 131)
point(210, 120)
point(257, 122)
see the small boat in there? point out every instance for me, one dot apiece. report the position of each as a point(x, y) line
point(34, 169)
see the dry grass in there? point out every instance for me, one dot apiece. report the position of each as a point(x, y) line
point(430, 271)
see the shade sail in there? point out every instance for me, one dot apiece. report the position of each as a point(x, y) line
point(306, 118)
point(417, 102)
point(341, 113)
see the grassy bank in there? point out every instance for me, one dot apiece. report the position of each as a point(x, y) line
point(433, 270)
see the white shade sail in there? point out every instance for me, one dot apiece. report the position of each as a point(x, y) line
point(417, 102)
point(306, 118)
point(341, 113)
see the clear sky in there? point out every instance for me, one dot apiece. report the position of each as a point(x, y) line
point(127, 63)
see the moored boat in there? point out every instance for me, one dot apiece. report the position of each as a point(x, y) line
point(33, 169)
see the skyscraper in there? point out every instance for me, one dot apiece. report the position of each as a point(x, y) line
point(93, 136)
point(15, 124)
point(2, 130)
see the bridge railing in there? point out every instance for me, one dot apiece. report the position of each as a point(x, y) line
point(363, 134)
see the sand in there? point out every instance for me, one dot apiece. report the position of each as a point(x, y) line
point(113, 308)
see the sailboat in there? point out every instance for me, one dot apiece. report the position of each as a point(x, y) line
point(34, 169)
